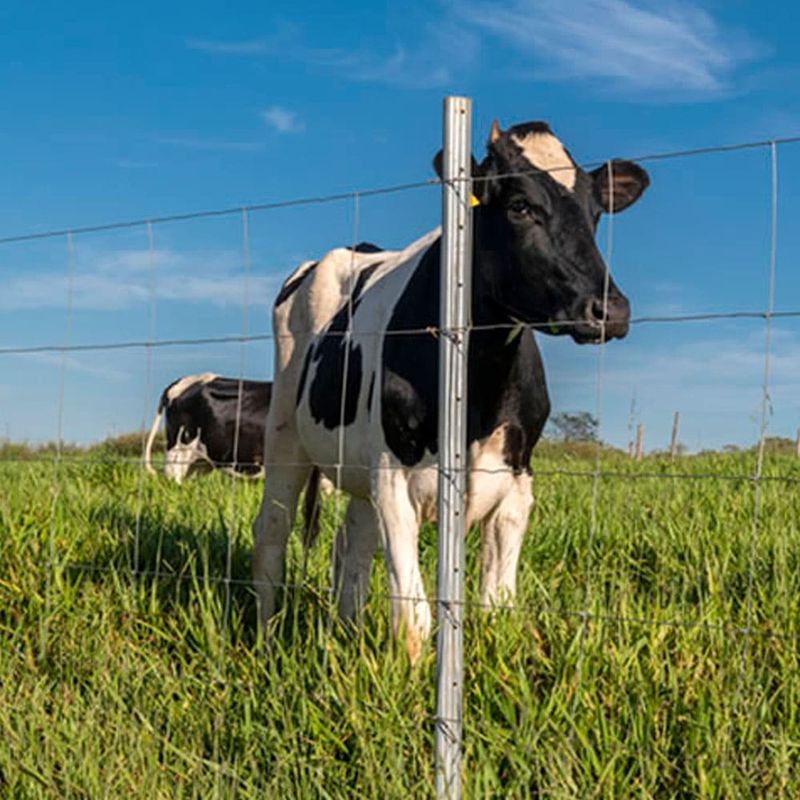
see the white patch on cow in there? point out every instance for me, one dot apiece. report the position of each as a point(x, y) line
point(502, 532)
point(490, 478)
point(399, 523)
point(186, 382)
point(423, 488)
point(183, 456)
point(546, 153)
point(353, 551)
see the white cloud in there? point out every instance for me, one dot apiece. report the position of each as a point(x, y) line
point(443, 50)
point(633, 46)
point(122, 279)
point(639, 46)
point(282, 120)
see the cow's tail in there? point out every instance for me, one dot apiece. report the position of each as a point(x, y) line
point(311, 508)
point(148, 448)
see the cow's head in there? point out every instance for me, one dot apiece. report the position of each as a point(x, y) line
point(186, 452)
point(534, 233)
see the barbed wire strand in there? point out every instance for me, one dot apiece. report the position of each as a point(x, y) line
point(55, 489)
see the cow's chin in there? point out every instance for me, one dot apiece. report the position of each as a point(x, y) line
point(588, 332)
point(593, 333)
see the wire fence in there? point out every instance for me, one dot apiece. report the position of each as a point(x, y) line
point(62, 459)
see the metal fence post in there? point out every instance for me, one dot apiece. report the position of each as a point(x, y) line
point(456, 270)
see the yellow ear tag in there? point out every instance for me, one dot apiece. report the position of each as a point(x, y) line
point(473, 201)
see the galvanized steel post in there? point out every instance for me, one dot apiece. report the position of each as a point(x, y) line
point(456, 272)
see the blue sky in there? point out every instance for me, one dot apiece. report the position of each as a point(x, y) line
point(125, 111)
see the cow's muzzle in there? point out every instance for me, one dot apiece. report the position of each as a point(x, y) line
point(596, 320)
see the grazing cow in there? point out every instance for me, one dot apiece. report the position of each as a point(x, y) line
point(356, 372)
point(201, 413)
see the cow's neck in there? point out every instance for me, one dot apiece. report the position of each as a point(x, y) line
point(494, 342)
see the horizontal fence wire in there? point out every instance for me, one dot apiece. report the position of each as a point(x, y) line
point(228, 211)
point(63, 458)
point(527, 609)
point(107, 460)
point(430, 330)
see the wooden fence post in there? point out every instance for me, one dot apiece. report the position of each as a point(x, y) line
point(639, 450)
point(673, 446)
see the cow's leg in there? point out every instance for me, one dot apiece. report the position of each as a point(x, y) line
point(399, 528)
point(353, 552)
point(502, 532)
point(272, 526)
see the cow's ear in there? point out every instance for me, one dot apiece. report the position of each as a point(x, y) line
point(619, 185)
point(478, 188)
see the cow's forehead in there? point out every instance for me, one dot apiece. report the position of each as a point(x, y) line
point(545, 152)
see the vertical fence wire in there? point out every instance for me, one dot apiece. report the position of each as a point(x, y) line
point(146, 401)
point(341, 534)
point(584, 614)
point(764, 426)
point(232, 499)
point(56, 477)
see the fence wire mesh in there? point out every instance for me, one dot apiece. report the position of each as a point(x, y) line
point(146, 564)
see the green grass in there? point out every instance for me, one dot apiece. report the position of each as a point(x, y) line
point(112, 686)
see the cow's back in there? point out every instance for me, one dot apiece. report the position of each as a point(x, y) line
point(345, 290)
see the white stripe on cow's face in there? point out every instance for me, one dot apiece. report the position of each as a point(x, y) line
point(545, 152)
point(187, 381)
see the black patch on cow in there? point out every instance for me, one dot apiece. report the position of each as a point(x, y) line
point(333, 357)
point(409, 401)
point(523, 129)
point(366, 247)
point(369, 393)
point(363, 277)
point(506, 383)
point(290, 287)
point(231, 429)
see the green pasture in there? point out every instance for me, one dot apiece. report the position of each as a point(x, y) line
point(127, 670)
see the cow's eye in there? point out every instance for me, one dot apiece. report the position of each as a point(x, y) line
point(520, 208)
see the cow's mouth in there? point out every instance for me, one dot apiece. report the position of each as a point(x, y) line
point(597, 321)
point(594, 333)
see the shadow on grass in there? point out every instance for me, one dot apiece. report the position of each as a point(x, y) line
point(182, 565)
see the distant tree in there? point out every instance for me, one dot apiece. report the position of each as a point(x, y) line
point(578, 426)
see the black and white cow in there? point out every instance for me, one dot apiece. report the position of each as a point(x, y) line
point(202, 435)
point(200, 419)
point(343, 395)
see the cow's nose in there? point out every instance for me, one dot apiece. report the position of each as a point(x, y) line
point(615, 311)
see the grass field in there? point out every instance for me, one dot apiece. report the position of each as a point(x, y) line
point(114, 686)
